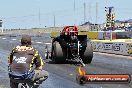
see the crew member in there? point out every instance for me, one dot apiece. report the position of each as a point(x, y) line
point(26, 59)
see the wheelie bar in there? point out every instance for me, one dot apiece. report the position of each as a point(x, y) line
point(79, 60)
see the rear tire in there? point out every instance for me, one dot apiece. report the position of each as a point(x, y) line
point(57, 54)
point(88, 54)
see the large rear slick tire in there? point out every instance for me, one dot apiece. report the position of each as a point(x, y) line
point(58, 56)
point(88, 54)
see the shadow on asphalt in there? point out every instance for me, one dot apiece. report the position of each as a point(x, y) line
point(66, 62)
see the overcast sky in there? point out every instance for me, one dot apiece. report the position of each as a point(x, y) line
point(40, 13)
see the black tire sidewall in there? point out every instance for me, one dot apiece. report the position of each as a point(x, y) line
point(57, 53)
point(88, 54)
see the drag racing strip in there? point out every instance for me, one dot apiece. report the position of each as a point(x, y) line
point(13, 39)
point(114, 55)
point(4, 59)
point(64, 75)
point(3, 38)
point(69, 72)
point(4, 80)
point(117, 60)
point(18, 40)
point(56, 81)
point(38, 42)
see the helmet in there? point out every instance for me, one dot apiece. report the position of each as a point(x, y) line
point(26, 40)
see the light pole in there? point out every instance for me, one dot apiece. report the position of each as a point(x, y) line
point(54, 21)
point(39, 18)
point(74, 12)
point(84, 12)
point(96, 16)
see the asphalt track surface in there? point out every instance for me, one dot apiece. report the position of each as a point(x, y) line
point(64, 75)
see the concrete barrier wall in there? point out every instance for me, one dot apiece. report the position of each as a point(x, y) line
point(91, 35)
point(101, 35)
point(115, 47)
point(54, 34)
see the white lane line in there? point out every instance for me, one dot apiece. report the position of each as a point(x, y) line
point(39, 42)
point(47, 43)
point(13, 39)
point(71, 74)
point(3, 38)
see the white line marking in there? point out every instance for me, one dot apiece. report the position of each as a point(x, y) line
point(47, 43)
point(71, 74)
point(3, 38)
point(13, 39)
point(38, 42)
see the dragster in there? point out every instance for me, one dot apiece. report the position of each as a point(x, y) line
point(70, 45)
